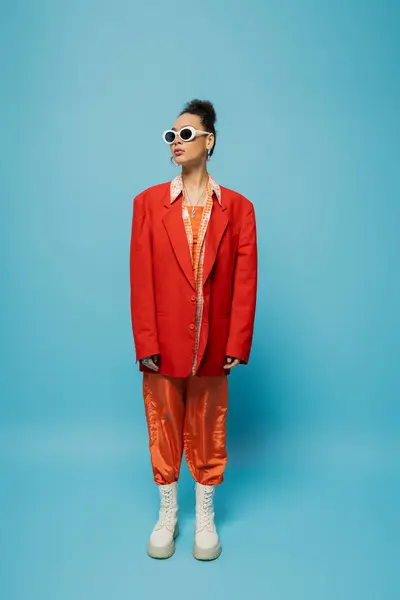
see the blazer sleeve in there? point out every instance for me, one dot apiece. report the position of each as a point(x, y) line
point(244, 291)
point(143, 315)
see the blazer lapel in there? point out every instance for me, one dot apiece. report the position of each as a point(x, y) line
point(215, 230)
point(175, 227)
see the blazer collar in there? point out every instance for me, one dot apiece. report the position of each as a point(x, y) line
point(176, 188)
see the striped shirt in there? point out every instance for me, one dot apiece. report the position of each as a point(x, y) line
point(197, 249)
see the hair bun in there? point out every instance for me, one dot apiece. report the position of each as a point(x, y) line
point(209, 108)
point(202, 107)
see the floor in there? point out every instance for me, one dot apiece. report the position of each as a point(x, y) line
point(300, 516)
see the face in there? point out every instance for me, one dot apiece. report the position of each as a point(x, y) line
point(195, 151)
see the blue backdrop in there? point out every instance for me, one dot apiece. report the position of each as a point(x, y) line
point(307, 94)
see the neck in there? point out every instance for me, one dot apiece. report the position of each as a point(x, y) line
point(195, 177)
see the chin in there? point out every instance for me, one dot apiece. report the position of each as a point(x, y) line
point(184, 161)
point(180, 160)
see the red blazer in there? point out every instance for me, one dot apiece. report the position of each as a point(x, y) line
point(163, 293)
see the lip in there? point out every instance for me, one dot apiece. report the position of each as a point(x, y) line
point(178, 152)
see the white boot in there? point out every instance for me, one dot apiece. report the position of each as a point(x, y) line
point(161, 543)
point(206, 542)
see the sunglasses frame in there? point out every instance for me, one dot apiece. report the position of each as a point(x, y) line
point(177, 134)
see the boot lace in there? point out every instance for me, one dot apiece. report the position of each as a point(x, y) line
point(206, 512)
point(167, 508)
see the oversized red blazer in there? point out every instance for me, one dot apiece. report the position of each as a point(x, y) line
point(163, 293)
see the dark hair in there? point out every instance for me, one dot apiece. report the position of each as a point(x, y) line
point(206, 111)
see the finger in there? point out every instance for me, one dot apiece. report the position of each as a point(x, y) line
point(228, 361)
point(149, 363)
point(232, 364)
point(229, 365)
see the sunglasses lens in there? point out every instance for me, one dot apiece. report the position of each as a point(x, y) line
point(169, 137)
point(186, 134)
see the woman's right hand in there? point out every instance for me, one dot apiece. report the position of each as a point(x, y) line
point(151, 361)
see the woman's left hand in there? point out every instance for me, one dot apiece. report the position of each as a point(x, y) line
point(231, 361)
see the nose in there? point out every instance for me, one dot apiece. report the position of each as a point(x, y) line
point(177, 141)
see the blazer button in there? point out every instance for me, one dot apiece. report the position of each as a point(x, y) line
point(191, 326)
point(193, 298)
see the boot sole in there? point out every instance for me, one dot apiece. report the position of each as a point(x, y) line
point(206, 554)
point(164, 551)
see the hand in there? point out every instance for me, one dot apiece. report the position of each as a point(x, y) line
point(151, 361)
point(231, 362)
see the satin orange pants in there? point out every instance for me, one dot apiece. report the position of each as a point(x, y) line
point(186, 414)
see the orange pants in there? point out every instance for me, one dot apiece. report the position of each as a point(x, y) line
point(186, 414)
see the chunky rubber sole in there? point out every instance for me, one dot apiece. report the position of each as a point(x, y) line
point(206, 554)
point(163, 551)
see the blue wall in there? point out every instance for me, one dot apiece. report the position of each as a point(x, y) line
point(307, 95)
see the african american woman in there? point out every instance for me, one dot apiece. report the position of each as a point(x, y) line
point(193, 284)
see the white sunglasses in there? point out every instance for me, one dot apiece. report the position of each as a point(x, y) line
point(187, 134)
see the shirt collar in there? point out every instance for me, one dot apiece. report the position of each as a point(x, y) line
point(176, 188)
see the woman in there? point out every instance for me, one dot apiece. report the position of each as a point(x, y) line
point(193, 273)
